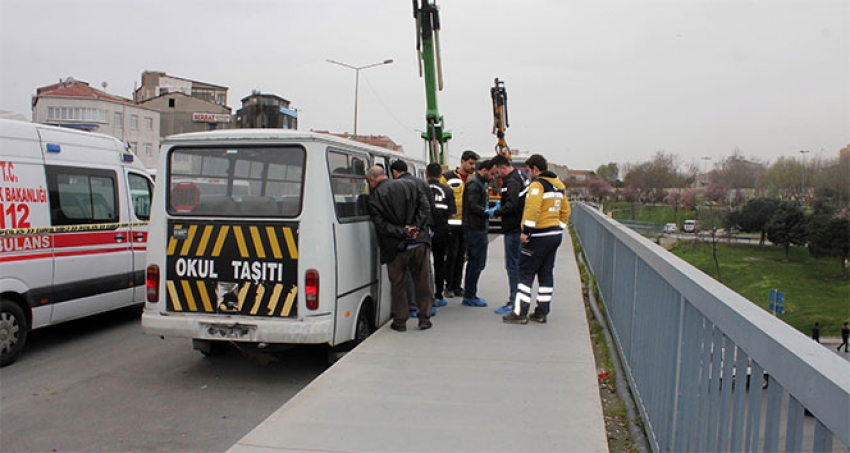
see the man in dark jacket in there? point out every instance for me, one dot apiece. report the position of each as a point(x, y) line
point(510, 210)
point(475, 223)
point(444, 208)
point(456, 253)
point(399, 211)
point(400, 171)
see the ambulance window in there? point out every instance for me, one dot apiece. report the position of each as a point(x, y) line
point(81, 196)
point(140, 194)
point(348, 182)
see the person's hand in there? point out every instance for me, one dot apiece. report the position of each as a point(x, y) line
point(523, 238)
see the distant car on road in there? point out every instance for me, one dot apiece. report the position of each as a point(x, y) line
point(690, 226)
point(670, 228)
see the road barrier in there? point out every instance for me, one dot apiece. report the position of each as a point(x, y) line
point(686, 342)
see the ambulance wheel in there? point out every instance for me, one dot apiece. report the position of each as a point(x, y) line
point(13, 331)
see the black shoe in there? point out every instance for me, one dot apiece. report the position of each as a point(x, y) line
point(425, 324)
point(398, 328)
point(538, 317)
point(513, 318)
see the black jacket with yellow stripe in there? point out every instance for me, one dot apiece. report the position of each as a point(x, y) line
point(453, 179)
point(547, 209)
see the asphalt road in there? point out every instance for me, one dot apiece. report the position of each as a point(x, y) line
point(101, 385)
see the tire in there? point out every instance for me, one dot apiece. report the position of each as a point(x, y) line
point(364, 326)
point(13, 331)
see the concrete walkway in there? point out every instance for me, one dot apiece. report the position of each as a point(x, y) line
point(471, 383)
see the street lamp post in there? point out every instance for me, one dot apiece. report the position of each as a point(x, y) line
point(357, 81)
point(705, 167)
point(803, 173)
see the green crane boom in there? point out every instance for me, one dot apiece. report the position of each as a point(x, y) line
point(427, 18)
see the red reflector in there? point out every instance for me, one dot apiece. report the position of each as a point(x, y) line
point(152, 283)
point(311, 289)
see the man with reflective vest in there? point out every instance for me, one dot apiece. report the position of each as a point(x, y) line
point(544, 219)
point(443, 209)
point(456, 247)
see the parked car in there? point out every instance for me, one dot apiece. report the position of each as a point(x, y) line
point(690, 226)
point(670, 228)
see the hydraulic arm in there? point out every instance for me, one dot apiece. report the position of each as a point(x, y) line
point(427, 18)
point(500, 116)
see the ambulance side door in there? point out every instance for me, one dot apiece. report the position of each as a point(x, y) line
point(93, 259)
point(140, 191)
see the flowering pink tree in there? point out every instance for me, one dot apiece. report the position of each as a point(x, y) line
point(599, 189)
point(689, 199)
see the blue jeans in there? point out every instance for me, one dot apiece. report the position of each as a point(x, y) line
point(513, 245)
point(476, 250)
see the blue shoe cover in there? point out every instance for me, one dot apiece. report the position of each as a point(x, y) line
point(440, 302)
point(414, 314)
point(469, 302)
point(480, 302)
point(433, 311)
point(503, 310)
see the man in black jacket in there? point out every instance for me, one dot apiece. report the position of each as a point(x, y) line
point(444, 208)
point(399, 211)
point(475, 223)
point(400, 171)
point(510, 210)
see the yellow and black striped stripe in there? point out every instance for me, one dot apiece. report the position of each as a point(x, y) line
point(213, 248)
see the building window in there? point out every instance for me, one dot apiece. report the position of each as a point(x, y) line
point(148, 149)
point(76, 114)
point(149, 123)
point(134, 121)
point(171, 103)
point(119, 120)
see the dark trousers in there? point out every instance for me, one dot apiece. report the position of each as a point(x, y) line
point(439, 244)
point(476, 249)
point(416, 261)
point(513, 246)
point(455, 256)
point(537, 259)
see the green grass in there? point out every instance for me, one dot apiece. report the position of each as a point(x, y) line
point(814, 290)
point(658, 214)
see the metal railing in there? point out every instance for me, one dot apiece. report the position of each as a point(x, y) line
point(685, 341)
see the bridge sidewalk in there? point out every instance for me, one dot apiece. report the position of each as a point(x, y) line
point(471, 383)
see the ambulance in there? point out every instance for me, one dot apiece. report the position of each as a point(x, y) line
point(74, 210)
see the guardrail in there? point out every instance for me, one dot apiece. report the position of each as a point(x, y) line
point(685, 341)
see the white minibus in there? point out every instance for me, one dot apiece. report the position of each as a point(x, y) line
point(262, 237)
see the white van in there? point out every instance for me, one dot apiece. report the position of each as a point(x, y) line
point(74, 208)
point(262, 237)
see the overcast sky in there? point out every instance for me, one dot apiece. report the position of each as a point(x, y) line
point(588, 82)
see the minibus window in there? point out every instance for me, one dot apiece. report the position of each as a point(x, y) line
point(252, 181)
point(348, 182)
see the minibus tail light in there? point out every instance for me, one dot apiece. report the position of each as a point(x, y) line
point(152, 283)
point(311, 289)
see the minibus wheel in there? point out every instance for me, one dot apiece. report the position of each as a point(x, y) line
point(364, 326)
point(13, 331)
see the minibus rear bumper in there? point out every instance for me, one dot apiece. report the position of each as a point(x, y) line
point(312, 330)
